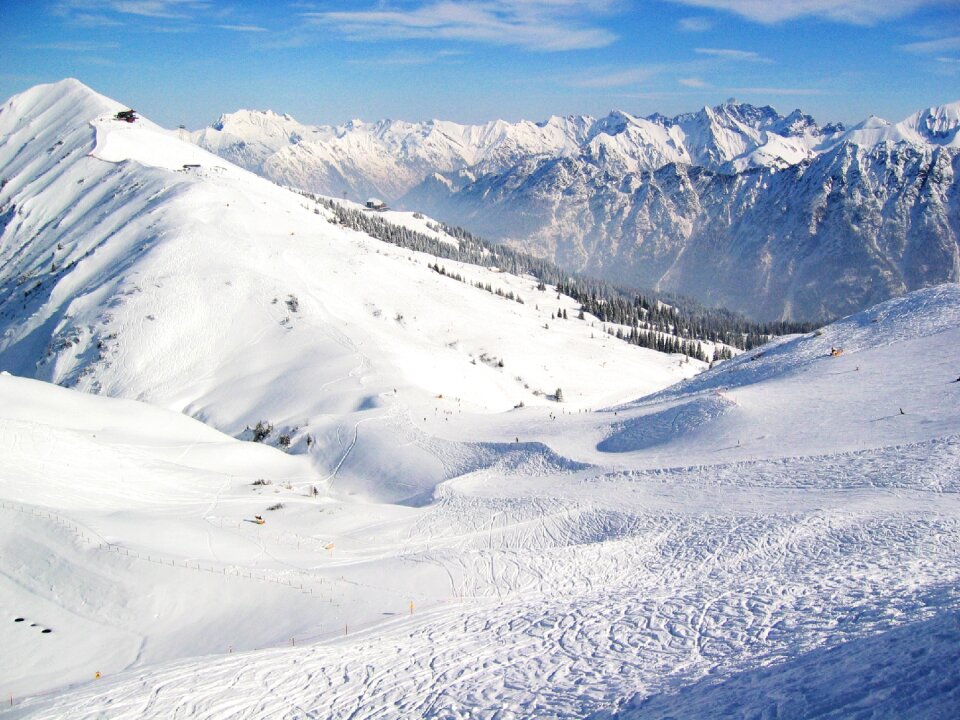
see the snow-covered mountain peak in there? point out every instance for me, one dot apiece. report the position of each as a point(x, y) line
point(134, 263)
point(67, 98)
point(937, 125)
point(258, 125)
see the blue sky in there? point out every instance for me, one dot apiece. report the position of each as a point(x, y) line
point(187, 61)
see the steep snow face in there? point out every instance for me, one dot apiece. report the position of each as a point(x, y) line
point(765, 535)
point(136, 265)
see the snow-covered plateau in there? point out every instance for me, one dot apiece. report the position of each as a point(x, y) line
point(736, 205)
point(443, 536)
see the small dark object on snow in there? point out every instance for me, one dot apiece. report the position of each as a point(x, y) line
point(46, 630)
point(957, 380)
point(127, 116)
point(902, 412)
point(18, 619)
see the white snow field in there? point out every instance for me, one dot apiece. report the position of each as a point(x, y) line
point(777, 537)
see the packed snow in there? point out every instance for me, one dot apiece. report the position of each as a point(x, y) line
point(668, 541)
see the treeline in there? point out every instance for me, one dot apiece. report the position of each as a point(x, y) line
point(648, 317)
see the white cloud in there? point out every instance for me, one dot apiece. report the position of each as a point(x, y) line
point(243, 28)
point(168, 9)
point(74, 46)
point(693, 83)
point(695, 24)
point(731, 54)
point(93, 20)
point(549, 25)
point(857, 12)
point(941, 45)
point(402, 58)
point(162, 9)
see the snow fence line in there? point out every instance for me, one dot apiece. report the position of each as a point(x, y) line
point(94, 540)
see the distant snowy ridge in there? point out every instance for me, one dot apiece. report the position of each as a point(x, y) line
point(736, 205)
point(390, 157)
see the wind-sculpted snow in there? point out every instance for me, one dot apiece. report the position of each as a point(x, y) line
point(661, 427)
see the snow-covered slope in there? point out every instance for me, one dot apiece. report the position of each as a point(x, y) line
point(429, 549)
point(136, 265)
point(773, 536)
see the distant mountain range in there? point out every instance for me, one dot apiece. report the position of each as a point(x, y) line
point(737, 205)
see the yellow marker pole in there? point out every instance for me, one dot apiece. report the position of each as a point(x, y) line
point(411, 607)
point(96, 675)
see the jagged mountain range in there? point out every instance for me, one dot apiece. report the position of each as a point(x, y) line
point(737, 205)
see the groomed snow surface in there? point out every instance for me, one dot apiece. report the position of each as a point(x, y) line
point(776, 537)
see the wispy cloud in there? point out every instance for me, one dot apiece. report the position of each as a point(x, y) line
point(93, 20)
point(401, 59)
point(545, 25)
point(731, 54)
point(695, 24)
point(693, 82)
point(930, 47)
point(605, 78)
point(856, 12)
point(948, 66)
point(243, 28)
point(74, 46)
point(161, 9)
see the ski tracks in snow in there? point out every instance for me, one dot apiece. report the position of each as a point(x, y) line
point(596, 588)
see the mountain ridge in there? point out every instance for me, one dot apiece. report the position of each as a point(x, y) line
point(599, 196)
